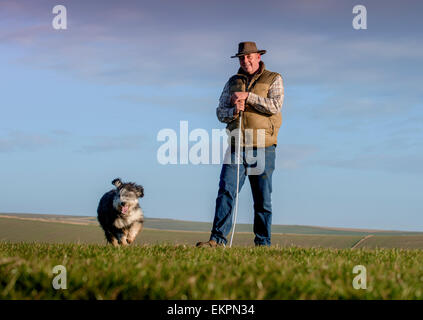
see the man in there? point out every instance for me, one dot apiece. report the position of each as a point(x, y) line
point(259, 94)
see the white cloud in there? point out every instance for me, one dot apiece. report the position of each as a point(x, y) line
point(112, 143)
point(18, 141)
point(292, 156)
point(410, 164)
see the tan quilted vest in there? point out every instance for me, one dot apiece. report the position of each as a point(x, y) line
point(251, 118)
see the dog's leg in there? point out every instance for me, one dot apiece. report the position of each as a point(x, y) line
point(121, 235)
point(124, 240)
point(135, 228)
point(111, 239)
point(114, 242)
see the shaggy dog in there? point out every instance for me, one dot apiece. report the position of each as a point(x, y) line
point(119, 213)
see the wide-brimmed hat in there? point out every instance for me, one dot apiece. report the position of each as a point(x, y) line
point(247, 47)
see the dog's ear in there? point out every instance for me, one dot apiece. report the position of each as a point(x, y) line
point(140, 191)
point(117, 183)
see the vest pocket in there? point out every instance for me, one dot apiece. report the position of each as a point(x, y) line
point(272, 127)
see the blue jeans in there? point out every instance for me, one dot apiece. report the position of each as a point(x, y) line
point(261, 186)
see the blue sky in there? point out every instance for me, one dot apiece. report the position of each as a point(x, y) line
point(84, 105)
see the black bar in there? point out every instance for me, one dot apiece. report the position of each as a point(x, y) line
point(212, 309)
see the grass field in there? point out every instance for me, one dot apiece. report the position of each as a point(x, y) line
point(13, 230)
point(182, 272)
point(181, 225)
point(164, 264)
point(85, 230)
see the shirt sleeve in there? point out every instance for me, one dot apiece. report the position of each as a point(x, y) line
point(273, 103)
point(225, 112)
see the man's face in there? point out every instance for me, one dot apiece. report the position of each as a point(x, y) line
point(250, 63)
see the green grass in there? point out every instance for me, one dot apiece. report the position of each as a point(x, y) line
point(183, 272)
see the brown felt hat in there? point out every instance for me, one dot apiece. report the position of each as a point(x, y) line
point(247, 47)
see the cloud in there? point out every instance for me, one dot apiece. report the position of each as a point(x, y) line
point(61, 132)
point(292, 156)
point(190, 103)
point(328, 59)
point(136, 46)
point(110, 143)
point(353, 104)
point(355, 108)
point(140, 44)
point(410, 164)
point(362, 76)
point(21, 141)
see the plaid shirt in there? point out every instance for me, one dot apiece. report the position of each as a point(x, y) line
point(270, 105)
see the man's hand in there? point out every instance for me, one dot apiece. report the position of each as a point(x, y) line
point(238, 100)
point(239, 96)
point(239, 106)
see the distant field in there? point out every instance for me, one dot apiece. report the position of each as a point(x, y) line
point(410, 242)
point(181, 225)
point(181, 272)
point(73, 229)
point(14, 230)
